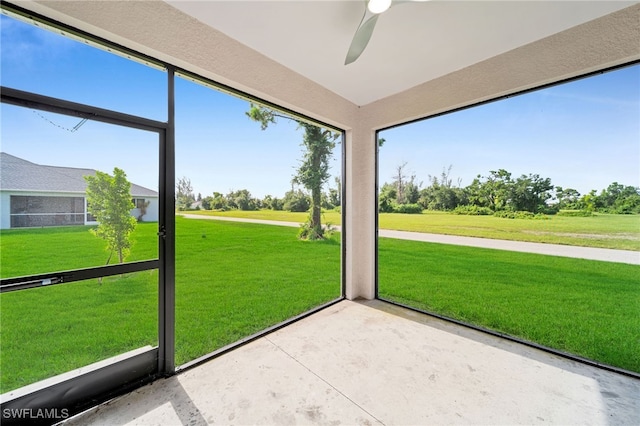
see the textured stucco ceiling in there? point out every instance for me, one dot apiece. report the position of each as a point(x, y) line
point(413, 42)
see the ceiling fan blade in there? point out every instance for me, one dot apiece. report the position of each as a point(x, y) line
point(361, 37)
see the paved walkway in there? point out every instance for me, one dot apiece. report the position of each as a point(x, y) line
point(607, 255)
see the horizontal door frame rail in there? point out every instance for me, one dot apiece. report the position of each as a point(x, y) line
point(73, 395)
point(21, 98)
point(65, 277)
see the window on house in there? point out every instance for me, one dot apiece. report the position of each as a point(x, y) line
point(139, 203)
point(37, 211)
point(90, 218)
point(508, 197)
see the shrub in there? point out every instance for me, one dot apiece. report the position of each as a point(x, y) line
point(241, 200)
point(629, 205)
point(277, 204)
point(506, 214)
point(306, 232)
point(386, 204)
point(408, 208)
point(296, 201)
point(218, 202)
point(272, 203)
point(575, 213)
point(473, 210)
point(297, 205)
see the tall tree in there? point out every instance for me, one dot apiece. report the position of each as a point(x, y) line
point(184, 194)
point(334, 197)
point(313, 172)
point(618, 198)
point(400, 181)
point(241, 200)
point(530, 193)
point(441, 194)
point(109, 200)
point(493, 191)
point(567, 197)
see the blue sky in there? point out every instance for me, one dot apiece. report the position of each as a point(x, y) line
point(583, 135)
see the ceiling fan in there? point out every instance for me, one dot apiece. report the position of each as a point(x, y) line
point(367, 24)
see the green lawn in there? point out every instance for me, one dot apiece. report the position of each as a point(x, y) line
point(41, 250)
point(234, 279)
point(602, 230)
point(51, 330)
point(589, 308)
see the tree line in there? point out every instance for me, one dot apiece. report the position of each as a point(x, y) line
point(501, 194)
point(294, 200)
point(497, 193)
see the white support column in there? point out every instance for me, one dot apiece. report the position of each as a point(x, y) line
point(360, 213)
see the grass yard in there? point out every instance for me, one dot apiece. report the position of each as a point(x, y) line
point(602, 230)
point(277, 215)
point(233, 280)
point(612, 231)
point(41, 250)
point(51, 330)
point(588, 308)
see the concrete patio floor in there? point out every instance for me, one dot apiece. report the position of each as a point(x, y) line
point(369, 362)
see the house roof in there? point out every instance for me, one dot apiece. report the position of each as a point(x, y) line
point(17, 174)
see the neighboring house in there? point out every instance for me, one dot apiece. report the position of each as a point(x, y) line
point(33, 195)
